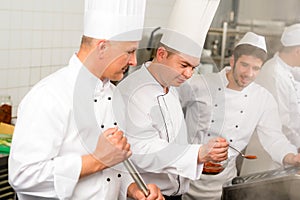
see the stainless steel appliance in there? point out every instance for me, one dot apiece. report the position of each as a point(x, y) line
point(279, 184)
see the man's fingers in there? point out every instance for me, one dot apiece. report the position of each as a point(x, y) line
point(110, 131)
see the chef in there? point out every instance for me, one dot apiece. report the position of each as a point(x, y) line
point(66, 143)
point(230, 105)
point(155, 123)
point(279, 76)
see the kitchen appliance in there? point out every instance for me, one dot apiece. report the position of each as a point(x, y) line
point(279, 184)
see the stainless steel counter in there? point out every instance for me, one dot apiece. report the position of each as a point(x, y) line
point(279, 184)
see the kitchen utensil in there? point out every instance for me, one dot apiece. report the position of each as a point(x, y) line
point(243, 155)
point(136, 176)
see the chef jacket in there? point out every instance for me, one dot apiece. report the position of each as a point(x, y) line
point(156, 130)
point(276, 76)
point(213, 110)
point(45, 159)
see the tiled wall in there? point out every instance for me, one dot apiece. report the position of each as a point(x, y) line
point(37, 37)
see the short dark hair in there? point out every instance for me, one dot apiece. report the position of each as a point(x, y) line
point(168, 49)
point(249, 50)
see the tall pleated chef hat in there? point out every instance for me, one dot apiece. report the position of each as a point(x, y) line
point(254, 40)
point(119, 20)
point(188, 25)
point(291, 36)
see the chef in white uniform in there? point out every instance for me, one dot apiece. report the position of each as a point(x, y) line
point(155, 123)
point(66, 144)
point(230, 105)
point(277, 77)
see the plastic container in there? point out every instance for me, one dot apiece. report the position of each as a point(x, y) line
point(5, 109)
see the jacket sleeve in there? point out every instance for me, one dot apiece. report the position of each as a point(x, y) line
point(270, 134)
point(280, 84)
point(35, 167)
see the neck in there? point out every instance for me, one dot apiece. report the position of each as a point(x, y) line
point(157, 74)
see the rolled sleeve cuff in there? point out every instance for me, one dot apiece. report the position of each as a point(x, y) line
point(66, 174)
point(188, 163)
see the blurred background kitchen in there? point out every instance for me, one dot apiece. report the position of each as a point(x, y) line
point(38, 36)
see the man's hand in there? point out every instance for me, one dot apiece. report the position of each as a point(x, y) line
point(292, 159)
point(135, 193)
point(215, 150)
point(112, 147)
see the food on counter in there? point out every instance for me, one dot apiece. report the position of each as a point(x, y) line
point(5, 142)
point(6, 128)
point(5, 113)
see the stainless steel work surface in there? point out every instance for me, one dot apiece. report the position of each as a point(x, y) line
point(279, 184)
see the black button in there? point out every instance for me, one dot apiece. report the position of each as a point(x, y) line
point(119, 175)
point(230, 140)
point(236, 126)
point(212, 121)
point(242, 111)
point(108, 179)
point(102, 126)
point(216, 105)
point(219, 89)
point(95, 100)
point(208, 134)
point(109, 98)
point(115, 123)
point(246, 95)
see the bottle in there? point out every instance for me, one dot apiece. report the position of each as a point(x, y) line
point(5, 109)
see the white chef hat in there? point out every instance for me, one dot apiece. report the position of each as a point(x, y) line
point(291, 36)
point(119, 20)
point(188, 25)
point(254, 40)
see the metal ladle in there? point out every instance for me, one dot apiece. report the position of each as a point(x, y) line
point(243, 155)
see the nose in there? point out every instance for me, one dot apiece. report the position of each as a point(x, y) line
point(249, 71)
point(132, 61)
point(188, 72)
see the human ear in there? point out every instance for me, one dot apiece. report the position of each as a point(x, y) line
point(101, 48)
point(231, 61)
point(161, 53)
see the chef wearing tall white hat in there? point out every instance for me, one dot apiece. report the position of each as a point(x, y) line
point(277, 77)
point(231, 105)
point(66, 143)
point(155, 124)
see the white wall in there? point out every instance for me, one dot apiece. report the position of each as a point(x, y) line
point(288, 10)
point(36, 38)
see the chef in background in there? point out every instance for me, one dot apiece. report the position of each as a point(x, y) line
point(281, 78)
point(155, 123)
point(229, 104)
point(66, 144)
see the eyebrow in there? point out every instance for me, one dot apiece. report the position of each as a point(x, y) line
point(189, 64)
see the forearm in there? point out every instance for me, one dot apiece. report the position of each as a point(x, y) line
point(90, 165)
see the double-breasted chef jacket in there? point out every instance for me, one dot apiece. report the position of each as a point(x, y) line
point(157, 133)
point(277, 77)
point(213, 110)
point(45, 159)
